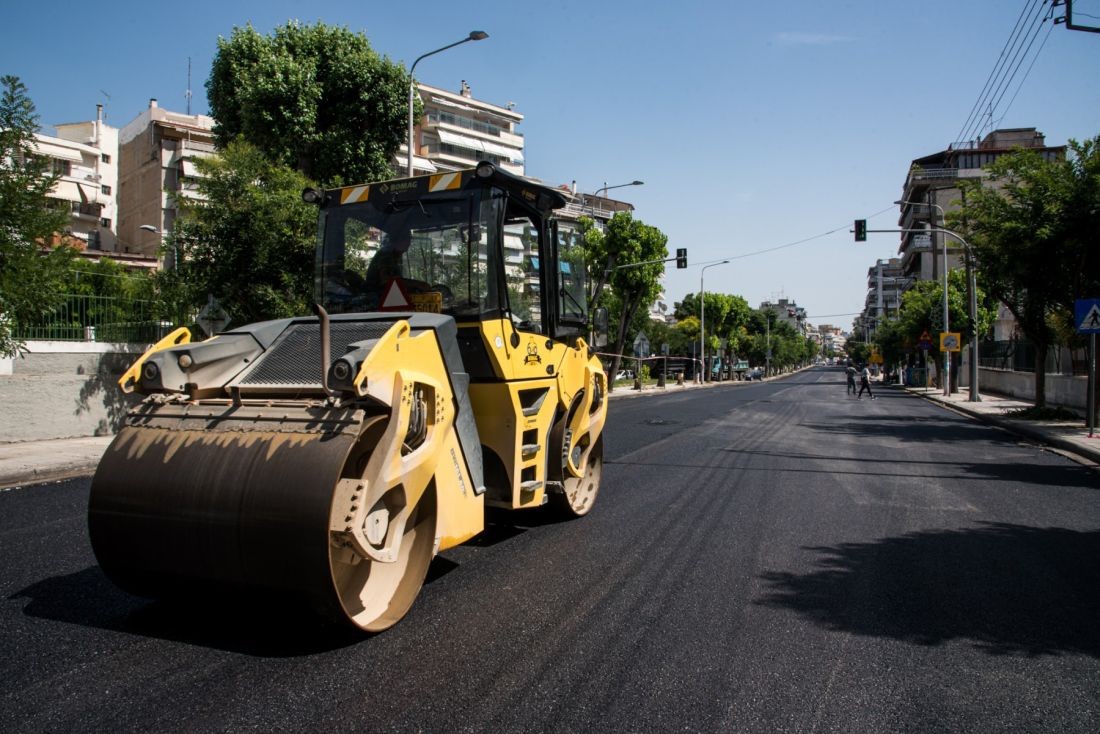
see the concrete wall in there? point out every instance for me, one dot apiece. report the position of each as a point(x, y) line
point(64, 389)
point(1062, 390)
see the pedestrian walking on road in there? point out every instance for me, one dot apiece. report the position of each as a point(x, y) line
point(851, 372)
point(865, 384)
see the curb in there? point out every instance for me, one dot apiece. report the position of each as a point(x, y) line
point(1086, 454)
point(47, 474)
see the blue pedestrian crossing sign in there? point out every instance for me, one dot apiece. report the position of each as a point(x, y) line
point(1086, 315)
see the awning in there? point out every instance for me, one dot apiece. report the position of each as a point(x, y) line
point(401, 162)
point(460, 140)
point(482, 146)
point(56, 151)
point(66, 190)
point(189, 169)
point(504, 152)
point(449, 103)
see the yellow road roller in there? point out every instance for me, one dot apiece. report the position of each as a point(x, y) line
point(330, 457)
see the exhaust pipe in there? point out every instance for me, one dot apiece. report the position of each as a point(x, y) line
point(322, 316)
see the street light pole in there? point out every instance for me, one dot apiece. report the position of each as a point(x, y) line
point(160, 233)
point(474, 36)
point(607, 188)
point(702, 331)
point(972, 305)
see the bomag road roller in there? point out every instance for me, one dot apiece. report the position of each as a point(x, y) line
point(330, 457)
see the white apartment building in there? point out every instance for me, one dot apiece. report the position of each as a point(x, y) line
point(85, 157)
point(457, 131)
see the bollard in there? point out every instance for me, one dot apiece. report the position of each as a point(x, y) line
point(679, 378)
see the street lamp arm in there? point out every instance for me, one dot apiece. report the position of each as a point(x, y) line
point(605, 189)
point(474, 36)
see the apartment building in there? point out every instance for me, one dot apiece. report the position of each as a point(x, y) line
point(85, 157)
point(457, 131)
point(886, 282)
point(157, 153)
point(789, 312)
point(932, 189)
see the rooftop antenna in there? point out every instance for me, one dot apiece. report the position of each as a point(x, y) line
point(108, 98)
point(188, 93)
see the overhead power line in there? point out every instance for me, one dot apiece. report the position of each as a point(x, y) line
point(1012, 57)
point(981, 95)
point(846, 226)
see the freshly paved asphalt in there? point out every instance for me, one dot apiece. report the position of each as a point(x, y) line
point(762, 557)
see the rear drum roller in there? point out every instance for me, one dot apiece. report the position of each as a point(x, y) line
point(579, 493)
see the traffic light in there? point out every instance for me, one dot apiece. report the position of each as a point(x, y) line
point(681, 257)
point(861, 230)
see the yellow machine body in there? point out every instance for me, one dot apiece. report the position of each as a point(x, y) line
point(332, 456)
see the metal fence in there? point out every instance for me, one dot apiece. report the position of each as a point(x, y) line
point(96, 318)
point(1019, 355)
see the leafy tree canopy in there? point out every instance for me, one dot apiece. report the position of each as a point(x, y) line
point(316, 98)
point(1033, 227)
point(30, 276)
point(249, 242)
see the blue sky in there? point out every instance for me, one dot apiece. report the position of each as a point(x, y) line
point(754, 125)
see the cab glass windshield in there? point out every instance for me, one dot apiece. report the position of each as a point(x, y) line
point(435, 253)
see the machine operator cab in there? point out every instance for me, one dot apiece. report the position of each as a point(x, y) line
point(478, 245)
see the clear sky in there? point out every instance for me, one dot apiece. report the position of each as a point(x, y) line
point(753, 125)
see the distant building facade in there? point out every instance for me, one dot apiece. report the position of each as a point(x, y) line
point(788, 312)
point(932, 189)
point(157, 153)
point(84, 155)
point(457, 131)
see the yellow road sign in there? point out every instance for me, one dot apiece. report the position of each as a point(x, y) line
point(950, 341)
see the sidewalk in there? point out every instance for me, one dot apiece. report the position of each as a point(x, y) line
point(29, 462)
point(41, 461)
point(1070, 435)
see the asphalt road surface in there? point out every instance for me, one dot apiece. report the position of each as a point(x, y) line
point(762, 557)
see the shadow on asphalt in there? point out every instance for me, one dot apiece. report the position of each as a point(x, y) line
point(221, 621)
point(1006, 589)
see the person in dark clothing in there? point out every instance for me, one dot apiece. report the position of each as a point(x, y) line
point(865, 384)
point(851, 372)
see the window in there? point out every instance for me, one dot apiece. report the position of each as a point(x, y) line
point(105, 223)
point(105, 189)
point(106, 158)
point(520, 233)
point(572, 297)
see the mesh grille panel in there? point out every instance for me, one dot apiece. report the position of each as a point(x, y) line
point(295, 359)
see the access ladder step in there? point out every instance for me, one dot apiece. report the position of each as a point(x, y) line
point(530, 449)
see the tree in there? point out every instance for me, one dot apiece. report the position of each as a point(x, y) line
point(631, 242)
point(1033, 227)
point(316, 98)
point(249, 241)
point(30, 273)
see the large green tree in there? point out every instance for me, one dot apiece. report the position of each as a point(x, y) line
point(1034, 226)
point(31, 272)
point(317, 98)
point(249, 241)
point(628, 242)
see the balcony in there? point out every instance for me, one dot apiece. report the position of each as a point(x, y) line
point(922, 175)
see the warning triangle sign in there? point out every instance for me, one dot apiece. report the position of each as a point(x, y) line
point(1091, 320)
point(394, 297)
